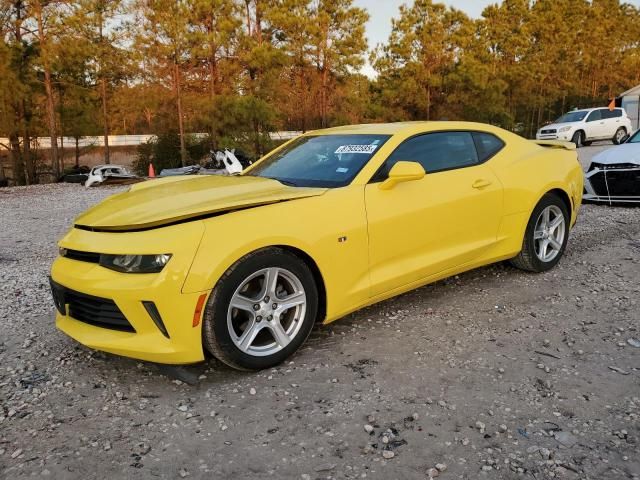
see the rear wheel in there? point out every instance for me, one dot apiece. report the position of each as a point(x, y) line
point(261, 311)
point(546, 237)
point(578, 138)
point(619, 136)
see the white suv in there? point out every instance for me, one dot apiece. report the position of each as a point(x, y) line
point(584, 126)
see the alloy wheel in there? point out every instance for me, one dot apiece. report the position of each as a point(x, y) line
point(266, 311)
point(549, 233)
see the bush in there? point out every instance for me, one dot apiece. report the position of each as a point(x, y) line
point(164, 152)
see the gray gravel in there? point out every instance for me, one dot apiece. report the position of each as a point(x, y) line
point(491, 374)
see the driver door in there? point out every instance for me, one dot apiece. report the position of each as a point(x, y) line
point(448, 218)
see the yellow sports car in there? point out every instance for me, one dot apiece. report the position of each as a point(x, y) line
point(243, 266)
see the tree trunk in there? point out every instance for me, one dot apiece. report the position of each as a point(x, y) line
point(178, 93)
point(303, 98)
point(26, 146)
point(48, 86)
point(61, 154)
point(23, 116)
point(148, 115)
point(213, 81)
point(77, 151)
point(105, 120)
point(16, 157)
point(103, 95)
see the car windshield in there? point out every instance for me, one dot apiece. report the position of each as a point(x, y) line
point(573, 117)
point(328, 161)
point(635, 138)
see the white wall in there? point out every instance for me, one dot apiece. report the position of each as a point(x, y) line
point(126, 140)
point(632, 105)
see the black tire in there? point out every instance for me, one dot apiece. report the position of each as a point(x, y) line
point(578, 138)
point(528, 259)
point(617, 137)
point(216, 337)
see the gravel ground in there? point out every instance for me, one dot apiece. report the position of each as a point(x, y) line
point(492, 374)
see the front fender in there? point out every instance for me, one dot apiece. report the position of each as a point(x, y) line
point(331, 229)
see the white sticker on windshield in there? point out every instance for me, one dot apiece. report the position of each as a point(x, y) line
point(367, 149)
point(342, 170)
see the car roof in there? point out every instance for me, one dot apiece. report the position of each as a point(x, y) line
point(594, 108)
point(402, 128)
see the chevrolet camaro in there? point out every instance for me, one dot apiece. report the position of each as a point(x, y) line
point(242, 267)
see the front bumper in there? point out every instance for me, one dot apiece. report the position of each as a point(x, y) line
point(107, 292)
point(554, 136)
point(612, 185)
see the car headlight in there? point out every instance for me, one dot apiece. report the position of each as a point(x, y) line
point(135, 263)
point(564, 129)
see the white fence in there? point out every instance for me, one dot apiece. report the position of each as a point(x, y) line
point(124, 140)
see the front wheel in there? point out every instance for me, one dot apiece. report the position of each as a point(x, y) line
point(546, 237)
point(261, 311)
point(578, 138)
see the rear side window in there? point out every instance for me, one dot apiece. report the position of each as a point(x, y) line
point(487, 145)
point(617, 113)
point(435, 152)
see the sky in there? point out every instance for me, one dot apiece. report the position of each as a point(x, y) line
point(382, 11)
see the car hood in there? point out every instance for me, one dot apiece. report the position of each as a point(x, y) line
point(556, 126)
point(626, 153)
point(165, 201)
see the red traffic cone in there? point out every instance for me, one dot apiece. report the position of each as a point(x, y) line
point(152, 172)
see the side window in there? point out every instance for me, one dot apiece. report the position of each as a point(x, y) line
point(435, 152)
point(595, 116)
point(608, 114)
point(617, 113)
point(487, 145)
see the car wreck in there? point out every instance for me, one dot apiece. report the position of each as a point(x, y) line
point(614, 175)
point(221, 163)
point(111, 175)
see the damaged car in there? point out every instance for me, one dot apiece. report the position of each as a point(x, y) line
point(241, 267)
point(111, 175)
point(614, 175)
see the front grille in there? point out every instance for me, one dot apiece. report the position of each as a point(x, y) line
point(97, 311)
point(620, 183)
point(615, 166)
point(90, 257)
point(549, 131)
point(598, 184)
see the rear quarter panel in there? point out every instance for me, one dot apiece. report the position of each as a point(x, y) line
point(527, 172)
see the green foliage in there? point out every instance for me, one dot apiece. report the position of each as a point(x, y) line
point(237, 70)
point(163, 151)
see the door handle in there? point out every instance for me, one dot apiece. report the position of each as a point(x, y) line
point(481, 183)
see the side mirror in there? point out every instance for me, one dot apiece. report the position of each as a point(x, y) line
point(403, 172)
